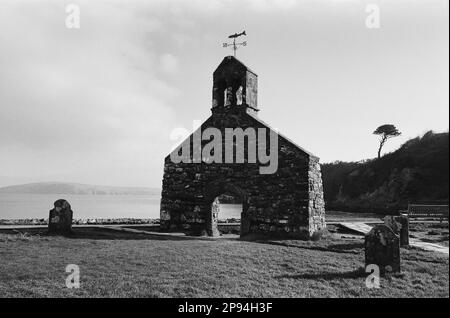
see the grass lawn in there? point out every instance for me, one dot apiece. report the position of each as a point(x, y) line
point(430, 232)
point(118, 264)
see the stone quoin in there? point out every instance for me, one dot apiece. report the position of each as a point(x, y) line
point(287, 202)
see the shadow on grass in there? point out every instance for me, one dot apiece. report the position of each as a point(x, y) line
point(96, 233)
point(358, 273)
point(320, 245)
point(111, 234)
point(347, 246)
point(105, 233)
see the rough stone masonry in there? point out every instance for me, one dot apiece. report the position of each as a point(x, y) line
point(286, 203)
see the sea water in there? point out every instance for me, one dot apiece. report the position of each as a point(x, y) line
point(29, 206)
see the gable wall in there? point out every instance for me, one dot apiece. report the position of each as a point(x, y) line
point(287, 202)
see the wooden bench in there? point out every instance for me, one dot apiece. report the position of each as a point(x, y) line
point(428, 211)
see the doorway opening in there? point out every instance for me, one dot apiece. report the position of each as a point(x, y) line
point(228, 215)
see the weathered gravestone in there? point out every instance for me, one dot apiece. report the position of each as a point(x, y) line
point(60, 218)
point(382, 248)
point(400, 226)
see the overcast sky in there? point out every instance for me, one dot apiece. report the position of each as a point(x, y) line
point(98, 104)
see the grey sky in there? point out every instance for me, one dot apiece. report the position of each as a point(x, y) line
point(97, 104)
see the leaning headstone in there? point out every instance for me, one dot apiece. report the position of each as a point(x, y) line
point(382, 247)
point(400, 226)
point(60, 218)
point(389, 220)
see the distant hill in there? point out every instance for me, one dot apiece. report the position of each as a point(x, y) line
point(418, 172)
point(76, 188)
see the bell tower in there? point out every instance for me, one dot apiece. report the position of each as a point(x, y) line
point(234, 86)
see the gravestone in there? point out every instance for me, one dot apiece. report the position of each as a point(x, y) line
point(389, 220)
point(382, 248)
point(400, 226)
point(404, 230)
point(60, 218)
point(215, 208)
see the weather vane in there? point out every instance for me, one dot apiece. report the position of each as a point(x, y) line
point(234, 44)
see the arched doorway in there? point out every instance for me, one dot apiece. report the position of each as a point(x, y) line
point(228, 205)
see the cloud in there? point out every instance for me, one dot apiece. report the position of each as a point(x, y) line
point(97, 104)
point(180, 8)
point(91, 92)
point(268, 5)
point(169, 63)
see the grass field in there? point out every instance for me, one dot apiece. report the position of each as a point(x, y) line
point(430, 232)
point(117, 264)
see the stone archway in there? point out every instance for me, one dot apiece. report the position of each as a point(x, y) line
point(213, 198)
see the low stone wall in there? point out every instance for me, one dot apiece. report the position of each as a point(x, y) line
point(229, 228)
point(24, 221)
point(80, 221)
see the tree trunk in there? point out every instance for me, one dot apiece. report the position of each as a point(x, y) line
point(382, 141)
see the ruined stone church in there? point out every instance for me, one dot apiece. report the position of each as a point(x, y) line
point(285, 202)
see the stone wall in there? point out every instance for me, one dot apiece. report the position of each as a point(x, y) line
point(286, 203)
point(316, 200)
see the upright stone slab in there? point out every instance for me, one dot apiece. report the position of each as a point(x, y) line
point(60, 218)
point(400, 226)
point(403, 219)
point(382, 247)
point(389, 220)
point(215, 208)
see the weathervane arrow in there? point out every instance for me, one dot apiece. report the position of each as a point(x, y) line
point(234, 45)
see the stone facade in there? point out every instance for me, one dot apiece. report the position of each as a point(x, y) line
point(286, 203)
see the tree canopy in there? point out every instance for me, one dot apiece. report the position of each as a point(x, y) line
point(386, 131)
